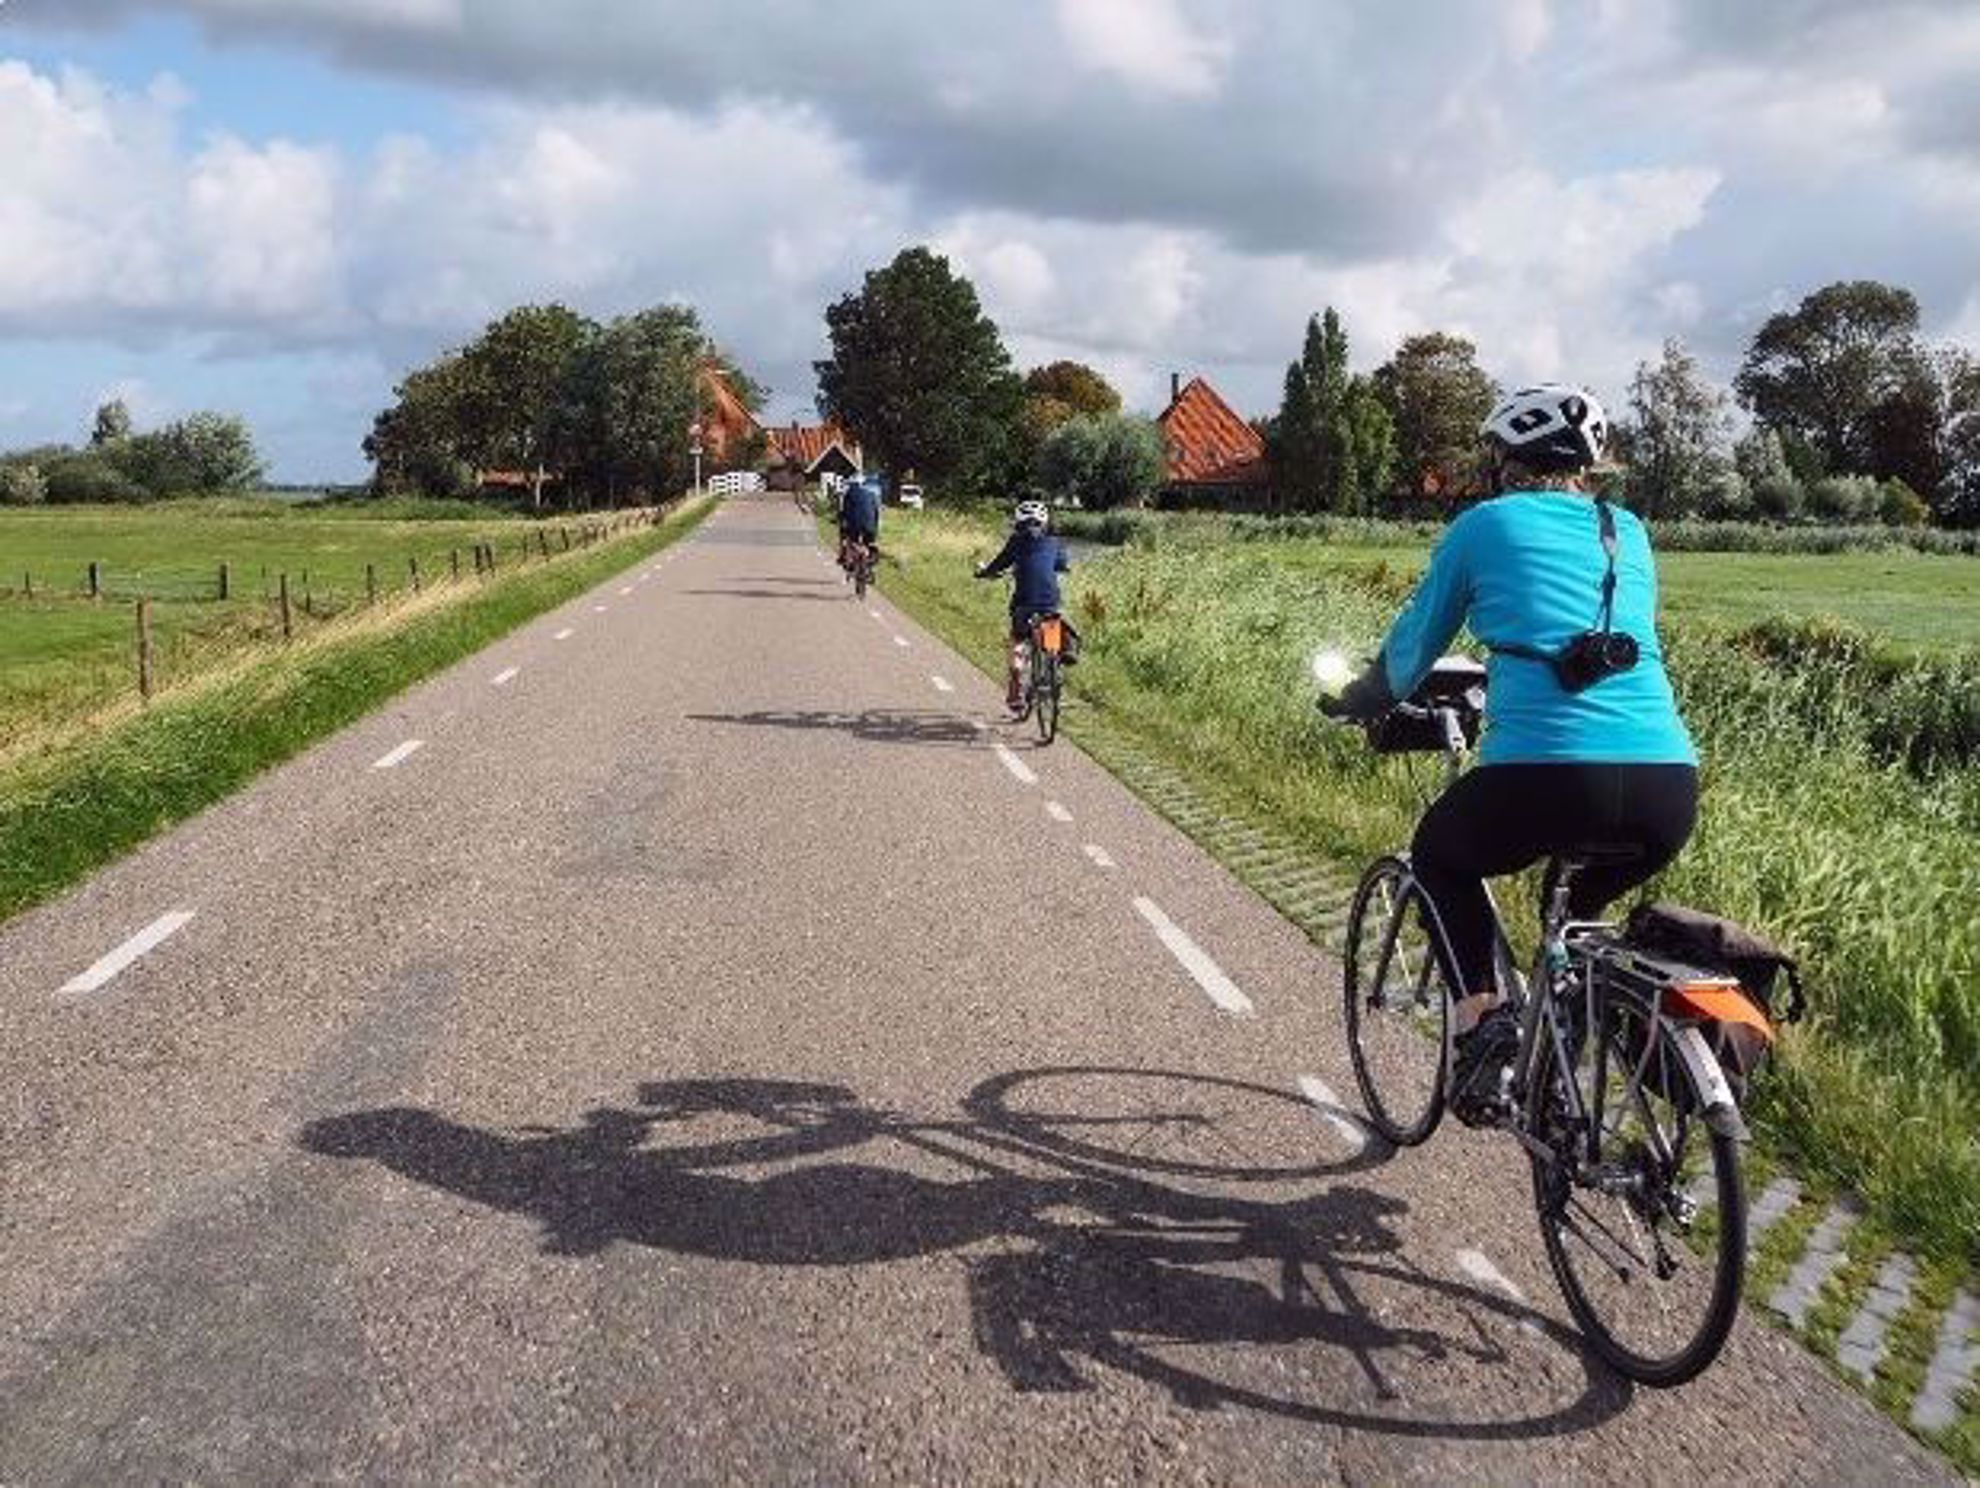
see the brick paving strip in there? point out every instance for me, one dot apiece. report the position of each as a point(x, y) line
point(1958, 1354)
point(1795, 1297)
point(1861, 1347)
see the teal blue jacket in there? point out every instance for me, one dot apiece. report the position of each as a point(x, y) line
point(1526, 569)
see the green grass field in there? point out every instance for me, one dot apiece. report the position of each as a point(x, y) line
point(1927, 601)
point(63, 655)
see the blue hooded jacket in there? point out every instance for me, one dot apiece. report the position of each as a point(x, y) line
point(860, 509)
point(1038, 559)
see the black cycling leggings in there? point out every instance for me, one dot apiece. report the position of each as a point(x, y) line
point(1498, 819)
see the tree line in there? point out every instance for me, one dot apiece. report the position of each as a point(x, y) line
point(201, 454)
point(583, 412)
point(1851, 416)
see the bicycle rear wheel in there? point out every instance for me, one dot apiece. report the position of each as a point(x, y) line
point(1047, 686)
point(1396, 1002)
point(1648, 1239)
point(862, 573)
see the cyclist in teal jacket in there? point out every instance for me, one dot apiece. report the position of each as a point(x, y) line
point(1583, 744)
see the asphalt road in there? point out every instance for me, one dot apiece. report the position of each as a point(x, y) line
point(708, 1057)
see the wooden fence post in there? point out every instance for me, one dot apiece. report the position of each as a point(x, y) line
point(543, 543)
point(412, 564)
point(288, 623)
point(95, 579)
point(371, 583)
point(454, 561)
point(27, 579)
point(226, 581)
point(144, 648)
point(309, 596)
point(491, 557)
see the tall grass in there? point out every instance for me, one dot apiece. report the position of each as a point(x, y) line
point(1841, 813)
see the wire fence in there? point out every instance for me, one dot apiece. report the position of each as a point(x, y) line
point(219, 610)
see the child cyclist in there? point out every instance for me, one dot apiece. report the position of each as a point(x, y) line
point(1035, 559)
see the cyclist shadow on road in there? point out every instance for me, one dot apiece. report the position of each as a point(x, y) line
point(1088, 1240)
point(876, 725)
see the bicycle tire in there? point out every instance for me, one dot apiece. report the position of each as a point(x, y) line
point(1047, 705)
point(1725, 1243)
point(1377, 922)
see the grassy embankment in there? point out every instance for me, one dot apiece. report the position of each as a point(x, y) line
point(1842, 790)
point(92, 787)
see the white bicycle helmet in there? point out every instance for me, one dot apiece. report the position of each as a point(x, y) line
point(1551, 426)
point(1034, 512)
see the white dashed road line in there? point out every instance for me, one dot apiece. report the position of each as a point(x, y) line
point(598, 609)
point(625, 591)
point(1331, 1111)
point(156, 933)
point(563, 635)
point(1219, 988)
point(1478, 1266)
point(504, 677)
point(1057, 812)
point(1101, 857)
point(943, 684)
point(901, 641)
point(399, 755)
point(876, 615)
point(1015, 765)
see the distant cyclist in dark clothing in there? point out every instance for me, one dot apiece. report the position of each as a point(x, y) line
point(1035, 559)
point(859, 518)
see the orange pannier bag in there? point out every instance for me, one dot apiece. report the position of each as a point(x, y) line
point(1051, 634)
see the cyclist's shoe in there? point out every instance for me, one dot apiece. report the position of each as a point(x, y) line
point(1484, 1056)
point(1014, 698)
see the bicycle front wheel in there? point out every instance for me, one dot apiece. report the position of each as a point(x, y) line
point(1642, 1206)
point(1396, 1002)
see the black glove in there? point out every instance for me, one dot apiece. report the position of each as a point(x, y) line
point(1363, 700)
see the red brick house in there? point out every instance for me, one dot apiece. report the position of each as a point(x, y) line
point(1212, 453)
point(807, 452)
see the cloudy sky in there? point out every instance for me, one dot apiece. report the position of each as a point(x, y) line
point(278, 206)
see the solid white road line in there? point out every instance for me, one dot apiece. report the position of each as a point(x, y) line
point(1328, 1104)
point(1101, 857)
point(399, 755)
point(901, 641)
point(943, 684)
point(1219, 988)
point(1015, 765)
point(1057, 812)
point(563, 635)
point(156, 933)
point(504, 677)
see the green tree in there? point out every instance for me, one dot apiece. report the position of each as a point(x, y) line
point(1073, 385)
point(196, 455)
point(1437, 395)
point(113, 424)
point(1334, 441)
point(1102, 460)
point(1835, 371)
point(631, 396)
point(1680, 434)
point(918, 373)
point(22, 484)
point(513, 379)
point(414, 445)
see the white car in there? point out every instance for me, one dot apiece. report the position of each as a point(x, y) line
point(910, 496)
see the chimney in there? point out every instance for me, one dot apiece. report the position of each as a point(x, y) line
point(1175, 387)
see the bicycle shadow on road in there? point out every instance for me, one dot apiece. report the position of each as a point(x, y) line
point(799, 594)
point(875, 725)
point(1087, 1242)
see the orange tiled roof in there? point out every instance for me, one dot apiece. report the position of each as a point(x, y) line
point(805, 444)
point(1207, 443)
